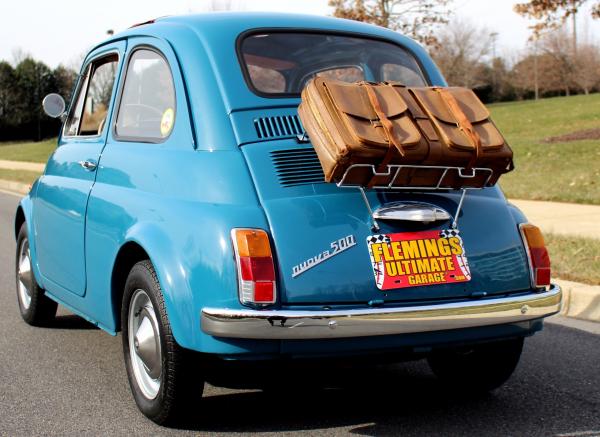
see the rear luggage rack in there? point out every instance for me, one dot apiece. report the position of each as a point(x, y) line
point(394, 171)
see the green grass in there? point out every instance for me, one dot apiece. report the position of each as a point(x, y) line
point(574, 258)
point(566, 172)
point(25, 177)
point(29, 152)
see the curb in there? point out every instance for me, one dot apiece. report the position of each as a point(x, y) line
point(15, 188)
point(580, 301)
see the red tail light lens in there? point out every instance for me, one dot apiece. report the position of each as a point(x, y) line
point(255, 268)
point(539, 260)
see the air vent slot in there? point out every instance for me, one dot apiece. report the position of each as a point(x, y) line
point(279, 126)
point(297, 167)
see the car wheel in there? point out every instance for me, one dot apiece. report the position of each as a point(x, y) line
point(477, 369)
point(164, 378)
point(36, 308)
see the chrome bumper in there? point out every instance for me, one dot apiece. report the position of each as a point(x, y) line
point(297, 325)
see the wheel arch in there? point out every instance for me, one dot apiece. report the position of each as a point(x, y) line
point(129, 254)
point(19, 220)
point(146, 240)
point(23, 214)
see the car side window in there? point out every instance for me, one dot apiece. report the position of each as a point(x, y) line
point(89, 113)
point(147, 107)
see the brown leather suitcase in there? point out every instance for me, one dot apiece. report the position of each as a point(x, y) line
point(455, 118)
point(388, 123)
point(359, 124)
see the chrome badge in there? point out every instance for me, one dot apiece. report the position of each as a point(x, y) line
point(337, 247)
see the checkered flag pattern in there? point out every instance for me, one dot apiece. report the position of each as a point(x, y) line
point(379, 239)
point(447, 233)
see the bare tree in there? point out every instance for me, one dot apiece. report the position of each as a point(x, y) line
point(552, 14)
point(587, 67)
point(19, 55)
point(526, 79)
point(416, 18)
point(557, 45)
point(462, 47)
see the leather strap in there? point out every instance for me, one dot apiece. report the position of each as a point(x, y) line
point(388, 128)
point(463, 123)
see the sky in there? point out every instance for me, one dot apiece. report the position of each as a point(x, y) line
point(61, 31)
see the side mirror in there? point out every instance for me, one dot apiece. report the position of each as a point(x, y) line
point(54, 106)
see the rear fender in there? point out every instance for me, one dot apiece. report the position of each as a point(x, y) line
point(195, 268)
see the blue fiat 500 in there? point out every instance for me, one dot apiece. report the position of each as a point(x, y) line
point(185, 207)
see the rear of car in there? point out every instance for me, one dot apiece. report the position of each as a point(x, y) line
point(339, 261)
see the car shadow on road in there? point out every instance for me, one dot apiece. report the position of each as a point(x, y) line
point(71, 321)
point(378, 400)
point(394, 399)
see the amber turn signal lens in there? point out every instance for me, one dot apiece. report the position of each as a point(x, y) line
point(252, 242)
point(533, 235)
point(539, 260)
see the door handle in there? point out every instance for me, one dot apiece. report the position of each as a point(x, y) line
point(411, 212)
point(88, 165)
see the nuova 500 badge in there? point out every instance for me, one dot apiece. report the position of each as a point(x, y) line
point(411, 259)
point(335, 248)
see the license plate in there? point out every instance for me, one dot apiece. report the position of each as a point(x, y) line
point(416, 259)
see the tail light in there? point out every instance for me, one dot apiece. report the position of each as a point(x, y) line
point(255, 268)
point(539, 260)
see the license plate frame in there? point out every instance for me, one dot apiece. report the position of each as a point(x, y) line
point(415, 259)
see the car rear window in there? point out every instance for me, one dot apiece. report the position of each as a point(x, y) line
point(280, 63)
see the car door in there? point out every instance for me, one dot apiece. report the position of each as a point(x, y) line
point(61, 198)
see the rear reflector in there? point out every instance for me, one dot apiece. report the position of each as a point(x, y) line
point(539, 260)
point(255, 268)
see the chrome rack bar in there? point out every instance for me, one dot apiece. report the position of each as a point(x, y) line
point(375, 226)
point(458, 208)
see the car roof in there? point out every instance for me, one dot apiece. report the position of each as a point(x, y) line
point(227, 22)
point(205, 46)
point(215, 26)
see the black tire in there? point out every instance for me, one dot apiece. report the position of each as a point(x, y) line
point(477, 369)
point(181, 376)
point(35, 307)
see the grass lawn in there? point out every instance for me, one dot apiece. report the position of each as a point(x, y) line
point(25, 177)
point(574, 258)
point(30, 152)
point(559, 171)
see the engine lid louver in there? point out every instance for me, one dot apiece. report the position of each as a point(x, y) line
point(279, 126)
point(297, 166)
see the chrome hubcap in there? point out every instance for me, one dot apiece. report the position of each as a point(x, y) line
point(144, 344)
point(24, 275)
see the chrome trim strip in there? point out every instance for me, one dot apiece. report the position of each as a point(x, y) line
point(295, 325)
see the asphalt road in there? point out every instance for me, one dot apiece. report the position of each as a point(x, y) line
point(70, 380)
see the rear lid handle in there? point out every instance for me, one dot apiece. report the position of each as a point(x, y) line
point(411, 212)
